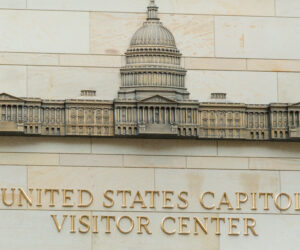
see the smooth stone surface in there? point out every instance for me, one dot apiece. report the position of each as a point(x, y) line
point(241, 87)
point(29, 159)
point(96, 180)
point(259, 149)
point(157, 240)
point(290, 8)
point(111, 32)
point(13, 4)
point(196, 182)
point(36, 230)
point(91, 61)
point(28, 59)
point(154, 147)
point(91, 160)
point(24, 144)
point(230, 7)
point(290, 185)
point(140, 161)
point(13, 80)
point(273, 65)
point(217, 162)
point(278, 231)
point(12, 177)
point(289, 87)
point(44, 31)
point(214, 63)
point(67, 82)
point(274, 164)
point(253, 37)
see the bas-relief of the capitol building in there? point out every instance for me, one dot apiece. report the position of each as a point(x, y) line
point(152, 101)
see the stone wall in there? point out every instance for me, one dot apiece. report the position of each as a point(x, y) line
point(178, 165)
point(55, 48)
point(247, 49)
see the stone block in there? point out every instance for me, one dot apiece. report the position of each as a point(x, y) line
point(288, 87)
point(273, 65)
point(12, 177)
point(196, 182)
point(274, 163)
point(91, 61)
point(44, 31)
point(13, 80)
point(194, 34)
point(157, 240)
point(241, 87)
point(154, 147)
point(214, 63)
point(90, 160)
point(140, 161)
point(230, 7)
point(67, 82)
point(36, 230)
point(15, 4)
point(12, 144)
point(289, 8)
point(217, 163)
point(29, 159)
point(253, 37)
point(259, 149)
point(278, 231)
point(111, 32)
point(290, 185)
point(96, 180)
point(28, 59)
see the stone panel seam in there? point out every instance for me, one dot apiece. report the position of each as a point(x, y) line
point(142, 13)
point(90, 33)
point(215, 48)
point(142, 211)
point(277, 86)
point(139, 13)
point(192, 156)
point(280, 190)
point(275, 7)
point(136, 168)
point(116, 67)
point(154, 178)
point(91, 145)
point(27, 87)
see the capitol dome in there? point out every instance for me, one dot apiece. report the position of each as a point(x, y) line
point(153, 34)
point(153, 62)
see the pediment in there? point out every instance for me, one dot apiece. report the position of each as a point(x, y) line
point(157, 99)
point(8, 97)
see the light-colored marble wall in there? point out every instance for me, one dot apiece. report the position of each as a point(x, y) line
point(80, 44)
point(139, 165)
point(55, 48)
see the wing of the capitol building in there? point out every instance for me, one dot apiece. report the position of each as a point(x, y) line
point(152, 101)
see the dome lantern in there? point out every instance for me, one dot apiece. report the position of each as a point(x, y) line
point(152, 11)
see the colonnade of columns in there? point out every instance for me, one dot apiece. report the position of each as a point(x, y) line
point(156, 114)
point(153, 79)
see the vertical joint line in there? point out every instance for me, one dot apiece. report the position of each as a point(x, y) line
point(214, 36)
point(26, 74)
point(277, 86)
